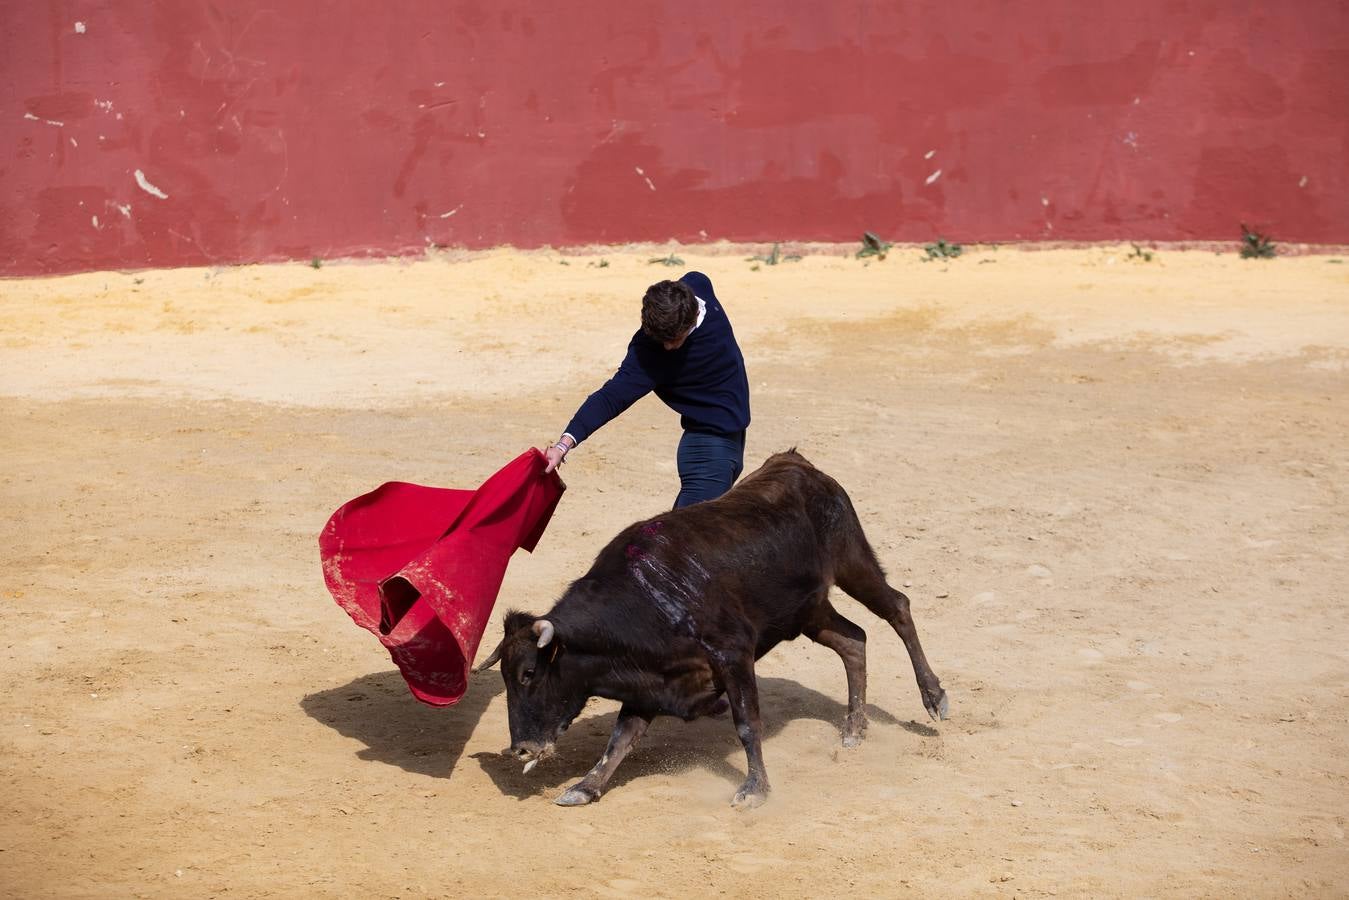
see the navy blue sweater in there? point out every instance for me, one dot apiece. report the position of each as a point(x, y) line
point(704, 380)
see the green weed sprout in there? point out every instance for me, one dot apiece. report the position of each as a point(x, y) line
point(873, 246)
point(1255, 244)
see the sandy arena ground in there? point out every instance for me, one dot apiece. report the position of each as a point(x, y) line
point(1115, 488)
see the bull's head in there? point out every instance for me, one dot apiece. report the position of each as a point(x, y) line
point(540, 703)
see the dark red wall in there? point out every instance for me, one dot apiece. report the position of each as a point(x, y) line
point(304, 128)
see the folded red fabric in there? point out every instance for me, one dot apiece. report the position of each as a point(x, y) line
point(420, 567)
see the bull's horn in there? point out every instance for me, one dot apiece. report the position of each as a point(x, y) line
point(491, 660)
point(543, 629)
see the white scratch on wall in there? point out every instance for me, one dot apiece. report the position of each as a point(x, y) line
point(123, 208)
point(30, 117)
point(929, 154)
point(1303, 181)
point(1131, 139)
point(148, 187)
point(183, 237)
point(638, 170)
point(94, 219)
point(79, 28)
point(446, 215)
point(1044, 201)
point(933, 177)
point(105, 105)
point(74, 143)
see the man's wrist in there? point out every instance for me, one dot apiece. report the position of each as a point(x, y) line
point(563, 446)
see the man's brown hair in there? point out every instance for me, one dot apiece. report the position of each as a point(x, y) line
point(669, 310)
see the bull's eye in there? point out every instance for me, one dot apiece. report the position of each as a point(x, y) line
point(526, 675)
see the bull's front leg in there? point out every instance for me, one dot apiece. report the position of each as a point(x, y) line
point(743, 693)
point(628, 729)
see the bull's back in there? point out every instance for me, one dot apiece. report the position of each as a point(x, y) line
point(759, 552)
point(785, 495)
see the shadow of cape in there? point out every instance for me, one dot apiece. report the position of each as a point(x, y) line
point(397, 730)
point(379, 711)
point(672, 746)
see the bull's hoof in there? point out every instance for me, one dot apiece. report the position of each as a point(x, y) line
point(749, 796)
point(937, 708)
point(577, 796)
point(743, 800)
point(854, 729)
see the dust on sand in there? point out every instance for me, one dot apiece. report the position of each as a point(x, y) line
point(1114, 489)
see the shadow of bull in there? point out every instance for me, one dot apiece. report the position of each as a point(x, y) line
point(378, 711)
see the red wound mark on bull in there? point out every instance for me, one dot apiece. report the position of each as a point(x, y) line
point(676, 594)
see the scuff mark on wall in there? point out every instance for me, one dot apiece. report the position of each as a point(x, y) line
point(148, 187)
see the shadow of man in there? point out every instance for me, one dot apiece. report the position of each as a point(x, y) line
point(397, 729)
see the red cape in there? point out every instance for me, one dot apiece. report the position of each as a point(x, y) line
point(420, 567)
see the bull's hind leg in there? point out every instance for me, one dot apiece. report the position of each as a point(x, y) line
point(860, 576)
point(845, 638)
point(628, 729)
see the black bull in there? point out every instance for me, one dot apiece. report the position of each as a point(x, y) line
point(676, 609)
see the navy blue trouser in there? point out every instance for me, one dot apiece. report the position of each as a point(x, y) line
point(708, 465)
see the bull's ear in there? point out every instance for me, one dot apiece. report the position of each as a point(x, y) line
point(491, 660)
